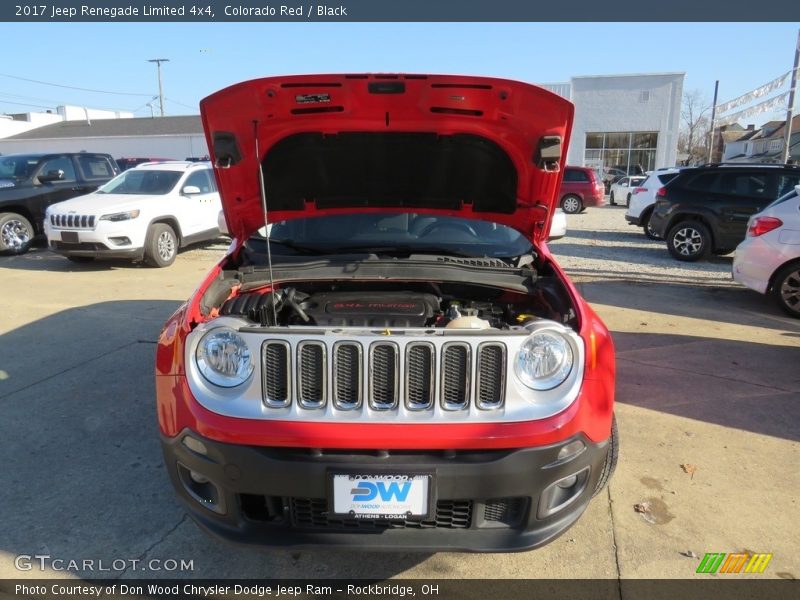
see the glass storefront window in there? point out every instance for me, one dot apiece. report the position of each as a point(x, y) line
point(594, 140)
point(622, 150)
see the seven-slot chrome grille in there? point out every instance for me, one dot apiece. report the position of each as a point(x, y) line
point(72, 221)
point(383, 375)
point(358, 375)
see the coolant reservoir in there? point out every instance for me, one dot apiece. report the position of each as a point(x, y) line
point(470, 322)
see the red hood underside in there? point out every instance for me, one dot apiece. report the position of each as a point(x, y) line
point(472, 147)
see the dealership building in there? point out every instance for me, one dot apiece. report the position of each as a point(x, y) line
point(624, 120)
point(620, 120)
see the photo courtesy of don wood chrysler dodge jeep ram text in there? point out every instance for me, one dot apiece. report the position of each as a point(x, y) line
point(396, 361)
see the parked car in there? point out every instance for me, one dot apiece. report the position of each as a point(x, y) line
point(29, 183)
point(129, 163)
point(643, 199)
point(146, 213)
point(768, 260)
point(580, 188)
point(558, 227)
point(706, 209)
point(613, 174)
point(401, 363)
point(623, 189)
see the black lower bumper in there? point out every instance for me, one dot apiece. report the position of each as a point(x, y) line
point(483, 500)
point(96, 250)
point(633, 220)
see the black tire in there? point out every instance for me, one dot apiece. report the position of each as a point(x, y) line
point(611, 199)
point(649, 231)
point(628, 200)
point(16, 234)
point(689, 241)
point(571, 204)
point(80, 259)
point(611, 458)
point(786, 289)
point(160, 246)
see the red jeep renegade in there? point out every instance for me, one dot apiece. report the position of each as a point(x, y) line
point(388, 356)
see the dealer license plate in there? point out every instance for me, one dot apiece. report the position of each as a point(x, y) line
point(381, 496)
point(70, 237)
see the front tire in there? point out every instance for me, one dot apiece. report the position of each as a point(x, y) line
point(571, 204)
point(786, 289)
point(611, 200)
point(689, 241)
point(161, 246)
point(611, 458)
point(16, 234)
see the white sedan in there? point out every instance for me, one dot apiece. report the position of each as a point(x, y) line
point(621, 190)
point(768, 260)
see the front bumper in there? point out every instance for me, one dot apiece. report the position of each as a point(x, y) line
point(95, 250)
point(107, 240)
point(485, 500)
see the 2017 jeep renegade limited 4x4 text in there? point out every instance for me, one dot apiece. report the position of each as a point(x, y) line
point(395, 360)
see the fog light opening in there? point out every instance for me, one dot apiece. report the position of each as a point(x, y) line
point(561, 493)
point(567, 482)
point(197, 478)
point(201, 489)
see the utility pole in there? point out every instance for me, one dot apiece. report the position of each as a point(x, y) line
point(787, 135)
point(713, 118)
point(158, 62)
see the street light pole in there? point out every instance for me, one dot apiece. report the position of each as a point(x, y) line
point(158, 62)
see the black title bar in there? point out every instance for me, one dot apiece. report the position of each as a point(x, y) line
point(65, 11)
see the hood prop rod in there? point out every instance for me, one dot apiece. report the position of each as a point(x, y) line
point(263, 191)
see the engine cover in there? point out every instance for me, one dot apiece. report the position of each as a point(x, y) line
point(371, 309)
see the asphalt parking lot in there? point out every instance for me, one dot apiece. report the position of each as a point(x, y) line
point(707, 391)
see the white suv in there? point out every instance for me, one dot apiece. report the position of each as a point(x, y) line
point(643, 199)
point(146, 213)
point(768, 260)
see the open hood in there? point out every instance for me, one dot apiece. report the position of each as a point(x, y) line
point(473, 147)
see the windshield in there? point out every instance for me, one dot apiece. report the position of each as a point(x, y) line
point(397, 234)
point(18, 167)
point(142, 181)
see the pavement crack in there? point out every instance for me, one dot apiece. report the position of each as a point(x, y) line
point(704, 374)
point(149, 549)
point(61, 372)
point(614, 540)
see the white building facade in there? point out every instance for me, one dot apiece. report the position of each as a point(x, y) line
point(624, 121)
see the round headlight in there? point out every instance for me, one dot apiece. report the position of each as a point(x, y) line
point(224, 358)
point(545, 360)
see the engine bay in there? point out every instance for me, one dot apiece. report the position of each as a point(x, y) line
point(400, 305)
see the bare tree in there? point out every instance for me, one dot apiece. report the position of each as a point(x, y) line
point(695, 127)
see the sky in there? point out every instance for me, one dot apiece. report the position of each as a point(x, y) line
point(205, 57)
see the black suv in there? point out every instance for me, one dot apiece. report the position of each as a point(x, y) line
point(29, 183)
point(706, 209)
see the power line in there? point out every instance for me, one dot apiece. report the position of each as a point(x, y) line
point(180, 103)
point(69, 87)
point(24, 104)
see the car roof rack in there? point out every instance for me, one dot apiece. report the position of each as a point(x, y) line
point(753, 164)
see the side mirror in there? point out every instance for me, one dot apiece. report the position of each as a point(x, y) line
point(52, 176)
point(190, 190)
